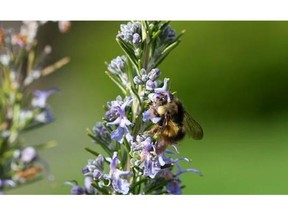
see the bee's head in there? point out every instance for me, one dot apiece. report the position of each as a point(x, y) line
point(162, 99)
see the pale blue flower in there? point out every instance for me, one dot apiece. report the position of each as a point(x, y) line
point(148, 158)
point(117, 110)
point(119, 134)
point(77, 190)
point(161, 92)
point(41, 97)
point(118, 177)
point(148, 115)
point(176, 161)
point(151, 165)
point(174, 187)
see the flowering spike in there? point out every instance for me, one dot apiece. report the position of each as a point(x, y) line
point(135, 132)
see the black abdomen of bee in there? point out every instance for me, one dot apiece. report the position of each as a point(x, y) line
point(179, 116)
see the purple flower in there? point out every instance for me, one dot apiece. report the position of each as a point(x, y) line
point(163, 89)
point(85, 170)
point(179, 172)
point(119, 134)
point(117, 106)
point(175, 161)
point(148, 115)
point(77, 190)
point(119, 183)
point(179, 168)
point(148, 159)
point(117, 110)
point(151, 164)
point(174, 187)
point(111, 114)
point(41, 97)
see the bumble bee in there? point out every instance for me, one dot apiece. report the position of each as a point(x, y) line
point(174, 122)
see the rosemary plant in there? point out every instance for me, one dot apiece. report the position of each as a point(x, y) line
point(135, 133)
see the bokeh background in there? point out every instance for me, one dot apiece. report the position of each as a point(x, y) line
point(232, 77)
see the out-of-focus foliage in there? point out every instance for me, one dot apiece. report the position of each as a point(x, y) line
point(21, 64)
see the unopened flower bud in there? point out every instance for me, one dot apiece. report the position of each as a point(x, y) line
point(154, 74)
point(137, 80)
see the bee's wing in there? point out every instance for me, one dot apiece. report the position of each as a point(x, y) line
point(192, 127)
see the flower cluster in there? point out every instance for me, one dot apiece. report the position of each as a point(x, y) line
point(134, 161)
point(20, 66)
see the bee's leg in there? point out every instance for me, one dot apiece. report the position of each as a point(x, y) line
point(167, 118)
point(154, 111)
point(155, 129)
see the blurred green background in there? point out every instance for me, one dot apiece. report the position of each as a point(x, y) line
point(231, 76)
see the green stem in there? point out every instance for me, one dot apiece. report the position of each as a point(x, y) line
point(147, 46)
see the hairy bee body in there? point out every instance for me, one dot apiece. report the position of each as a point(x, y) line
point(170, 127)
point(174, 123)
